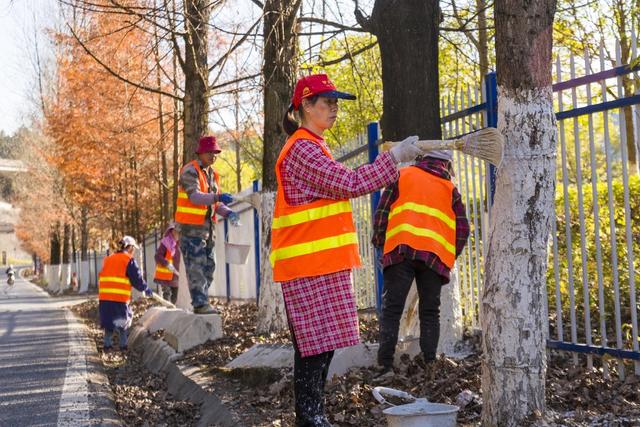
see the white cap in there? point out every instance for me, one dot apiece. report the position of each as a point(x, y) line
point(440, 154)
point(129, 241)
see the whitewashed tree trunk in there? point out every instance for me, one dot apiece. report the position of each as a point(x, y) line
point(65, 277)
point(514, 362)
point(272, 316)
point(84, 277)
point(184, 296)
point(513, 307)
point(451, 326)
point(53, 278)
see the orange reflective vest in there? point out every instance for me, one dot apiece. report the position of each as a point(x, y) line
point(312, 239)
point(114, 285)
point(162, 272)
point(422, 217)
point(189, 213)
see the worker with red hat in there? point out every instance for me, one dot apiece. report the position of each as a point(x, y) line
point(199, 201)
point(313, 237)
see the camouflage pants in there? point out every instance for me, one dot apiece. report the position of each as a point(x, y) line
point(200, 264)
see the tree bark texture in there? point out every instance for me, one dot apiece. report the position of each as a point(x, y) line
point(55, 245)
point(196, 74)
point(513, 308)
point(272, 316)
point(483, 38)
point(407, 33)
point(279, 71)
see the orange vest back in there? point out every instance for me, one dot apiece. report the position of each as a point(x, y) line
point(114, 285)
point(422, 217)
point(162, 272)
point(312, 239)
point(189, 213)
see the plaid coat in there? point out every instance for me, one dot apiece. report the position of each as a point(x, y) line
point(322, 310)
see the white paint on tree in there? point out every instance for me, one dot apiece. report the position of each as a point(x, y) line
point(65, 277)
point(83, 277)
point(53, 278)
point(184, 296)
point(451, 325)
point(272, 315)
point(513, 307)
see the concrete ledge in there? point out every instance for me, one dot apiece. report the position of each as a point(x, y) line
point(182, 383)
point(183, 330)
point(281, 356)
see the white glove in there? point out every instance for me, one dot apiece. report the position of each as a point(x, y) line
point(405, 150)
point(171, 268)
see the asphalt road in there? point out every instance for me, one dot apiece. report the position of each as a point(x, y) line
point(46, 368)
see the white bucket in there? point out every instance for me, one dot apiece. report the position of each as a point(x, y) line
point(420, 413)
point(235, 253)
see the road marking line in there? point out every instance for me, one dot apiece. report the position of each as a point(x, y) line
point(74, 401)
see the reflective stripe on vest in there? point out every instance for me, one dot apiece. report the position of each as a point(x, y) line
point(114, 285)
point(162, 272)
point(422, 217)
point(190, 213)
point(312, 239)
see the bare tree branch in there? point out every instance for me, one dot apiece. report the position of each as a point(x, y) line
point(348, 55)
point(114, 73)
point(331, 24)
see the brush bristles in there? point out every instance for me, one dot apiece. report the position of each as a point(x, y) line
point(486, 144)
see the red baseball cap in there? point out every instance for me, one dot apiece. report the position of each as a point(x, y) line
point(208, 144)
point(316, 84)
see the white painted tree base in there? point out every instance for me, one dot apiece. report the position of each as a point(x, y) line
point(184, 297)
point(513, 308)
point(83, 277)
point(65, 277)
point(272, 315)
point(53, 278)
point(451, 326)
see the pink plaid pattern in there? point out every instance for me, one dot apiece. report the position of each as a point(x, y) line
point(322, 310)
point(308, 174)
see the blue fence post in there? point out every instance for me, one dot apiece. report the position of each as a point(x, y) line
point(491, 89)
point(256, 241)
point(372, 145)
point(226, 264)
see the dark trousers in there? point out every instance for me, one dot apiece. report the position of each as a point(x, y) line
point(397, 283)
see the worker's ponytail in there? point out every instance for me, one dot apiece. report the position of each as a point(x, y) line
point(289, 123)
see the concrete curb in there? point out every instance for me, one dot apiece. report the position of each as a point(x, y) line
point(102, 407)
point(183, 383)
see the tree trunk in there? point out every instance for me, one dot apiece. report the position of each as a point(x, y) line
point(279, 71)
point(66, 244)
point(237, 140)
point(513, 309)
point(627, 81)
point(196, 74)
point(407, 34)
point(176, 153)
point(483, 39)
point(55, 245)
point(451, 324)
point(176, 123)
point(272, 316)
point(84, 233)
